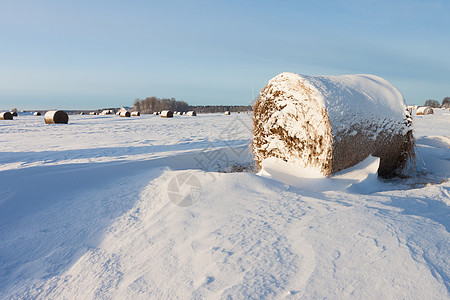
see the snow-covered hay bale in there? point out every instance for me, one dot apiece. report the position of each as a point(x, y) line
point(156, 113)
point(135, 113)
point(167, 114)
point(227, 113)
point(332, 122)
point(36, 113)
point(56, 117)
point(191, 113)
point(6, 115)
point(424, 110)
point(125, 114)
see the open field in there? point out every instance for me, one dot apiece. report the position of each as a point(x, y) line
point(92, 210)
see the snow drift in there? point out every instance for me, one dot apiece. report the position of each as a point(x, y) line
point(333, 122)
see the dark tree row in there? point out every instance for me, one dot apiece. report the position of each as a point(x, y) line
point(220, 108)
point(435, 103)
point(152, 104)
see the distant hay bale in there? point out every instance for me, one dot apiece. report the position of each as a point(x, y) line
point(156, 113)
point(135, 113)
point(82, 113)
point(333, 122)
point(424, 110)
point(56, 117)
point(93, 113)
point(227, 113)
point(191, 113)
point(107, 112)
point(167, 114)
point(6, 115)
point(179, 113)
point(36, 113)
point(125, 114)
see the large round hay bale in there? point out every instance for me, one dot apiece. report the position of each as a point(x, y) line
point(56, 117)
point(424, 110)
point(6, 115)
point(167, 114)
point(333, 122)
point(125, 114)
point(191, 113)
point(135, 113)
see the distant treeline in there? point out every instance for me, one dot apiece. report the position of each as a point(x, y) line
point(151, 104)
point(435, 103)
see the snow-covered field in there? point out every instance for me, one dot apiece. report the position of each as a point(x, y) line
point(134, 208)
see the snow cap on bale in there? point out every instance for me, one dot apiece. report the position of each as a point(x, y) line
point(56, 117)
point(135, 114)
point(332, 122)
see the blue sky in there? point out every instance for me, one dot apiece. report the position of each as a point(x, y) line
point(94, 54)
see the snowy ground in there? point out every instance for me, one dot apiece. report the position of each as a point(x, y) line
point(109, 207)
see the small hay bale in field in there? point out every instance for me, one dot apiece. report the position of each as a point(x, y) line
point(6, 115)
point(125, 114)
point(191, 113)
point(82, 113)
point(167, 114)
point(56, 117)
point(333, 122)
point(156, 113)
point(36, 113)
point(424, 110)
point(135, 113)
point(93, 113)
point(106, 112)
point(227, 113)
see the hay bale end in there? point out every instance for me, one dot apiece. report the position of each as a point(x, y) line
point(167, 114)
point(6, 115)
point(56, 117)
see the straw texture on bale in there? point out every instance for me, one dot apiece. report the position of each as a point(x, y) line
point(333, 122)
point(424, 110)
point(167, 114)
point(125, 114)
point(56, 117)
point(135, 113)
point(191, 113)
point(6, 115)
